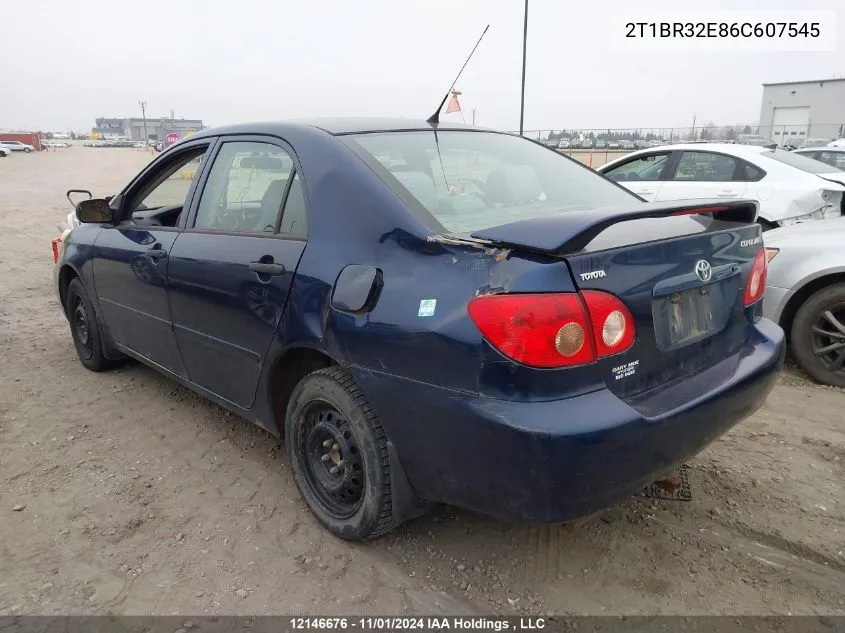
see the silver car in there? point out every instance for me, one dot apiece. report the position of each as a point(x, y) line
point(805, 294)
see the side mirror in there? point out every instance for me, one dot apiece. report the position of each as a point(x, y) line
point(95, 211)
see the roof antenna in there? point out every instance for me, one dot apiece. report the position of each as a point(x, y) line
point(435, 118)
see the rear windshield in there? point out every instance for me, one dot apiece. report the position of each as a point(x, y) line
point(804, 163)
point(461, 181)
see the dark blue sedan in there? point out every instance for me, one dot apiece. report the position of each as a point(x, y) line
point(429, 313)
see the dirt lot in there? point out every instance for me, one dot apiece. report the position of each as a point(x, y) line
point(122, 492)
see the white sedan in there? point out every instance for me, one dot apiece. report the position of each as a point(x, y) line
point(789, 187)
point(833, 156)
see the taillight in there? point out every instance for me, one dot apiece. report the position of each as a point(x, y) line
point(57, 244)
point(613, 325)
point(554, 330)
point(756, 284)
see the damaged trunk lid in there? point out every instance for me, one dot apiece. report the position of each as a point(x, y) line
point(680, 268)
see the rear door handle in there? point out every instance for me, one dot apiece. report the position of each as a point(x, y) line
point(263, 268)
point(156, 252)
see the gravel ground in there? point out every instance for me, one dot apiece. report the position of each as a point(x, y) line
point(125, 493)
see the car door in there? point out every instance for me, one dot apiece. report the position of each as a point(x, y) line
point(131, 258)
point(700, 174)
point(230, 272)
point(642, 174)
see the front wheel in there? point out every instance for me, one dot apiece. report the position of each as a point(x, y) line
point(818, 335)
point(338, 452)
point(27, 150)
point(85, 328)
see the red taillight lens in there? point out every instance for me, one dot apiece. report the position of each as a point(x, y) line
point(756, 284)
point(554, 330)
point(541, 330)
point(56, 245)
point(613, 325)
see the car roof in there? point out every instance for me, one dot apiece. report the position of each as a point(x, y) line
point(339, 125)
point(822, 148)
point(725, 148)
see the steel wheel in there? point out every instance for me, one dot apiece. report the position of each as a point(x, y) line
point(828, 339)
point(81, 329)
point(329, 452)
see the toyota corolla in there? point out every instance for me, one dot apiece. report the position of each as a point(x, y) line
point(429, 313)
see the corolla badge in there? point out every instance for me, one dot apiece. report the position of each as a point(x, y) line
point(703, 270)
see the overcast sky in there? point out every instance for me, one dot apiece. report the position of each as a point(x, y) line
point(65, 62)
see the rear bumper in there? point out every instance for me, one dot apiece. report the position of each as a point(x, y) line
point(541, 462)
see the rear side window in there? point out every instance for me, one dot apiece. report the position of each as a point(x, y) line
point(705, 167)
point(463, 181)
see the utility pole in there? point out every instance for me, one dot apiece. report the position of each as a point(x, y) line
point(522, 92)
point(143, 105)
point(473, 117)
point(693, 127)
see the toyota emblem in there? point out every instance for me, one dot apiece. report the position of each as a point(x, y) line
point(703, 270)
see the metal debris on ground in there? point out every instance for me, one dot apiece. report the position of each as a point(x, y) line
point(676, 487)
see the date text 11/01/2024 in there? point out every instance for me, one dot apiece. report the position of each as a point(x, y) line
point(387, 623)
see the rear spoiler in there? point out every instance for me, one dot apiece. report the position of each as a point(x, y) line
point(572, 231)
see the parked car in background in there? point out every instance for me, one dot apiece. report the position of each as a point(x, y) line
point(53, 144)
point(613, 145)
point(816, 142)
point(626, 144)
point(563, 144)
point(837, 143)
point(275, 282)
point(601, 143)
point(755, 140)
point(17, 146)
point(587, 143)
point(833, 156)
point(789, 187)
point(641, 143)
point(805, 294)
point(4, 151)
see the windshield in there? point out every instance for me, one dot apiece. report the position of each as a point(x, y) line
point(466, 181)
point(804, 163)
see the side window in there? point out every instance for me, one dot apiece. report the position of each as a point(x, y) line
point(649, 167)
point(245, 188)
point(748, 172)
point(834, 159)
point(294, 220)
point(705, 166)
point(171, 185)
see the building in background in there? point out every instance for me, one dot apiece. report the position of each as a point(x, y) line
point(133, 128)
point(793, 112)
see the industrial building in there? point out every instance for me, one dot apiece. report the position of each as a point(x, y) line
point(134, 128)
point(793, 112)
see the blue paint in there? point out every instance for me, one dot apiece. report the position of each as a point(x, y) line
point(494, 435)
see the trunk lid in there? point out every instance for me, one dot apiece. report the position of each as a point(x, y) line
point(680, 270)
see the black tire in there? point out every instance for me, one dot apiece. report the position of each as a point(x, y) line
point(813, 331)
point(85, 329)
point(329, 424)
point(27, 150)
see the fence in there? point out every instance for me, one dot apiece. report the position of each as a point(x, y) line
point(596, 146)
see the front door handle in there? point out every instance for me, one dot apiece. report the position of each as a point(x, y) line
point(263, 268)
point(156, 252)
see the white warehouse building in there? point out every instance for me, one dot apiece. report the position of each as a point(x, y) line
point(793, 112)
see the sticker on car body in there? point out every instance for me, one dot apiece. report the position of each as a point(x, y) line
point(427, 307)
point(623, 371)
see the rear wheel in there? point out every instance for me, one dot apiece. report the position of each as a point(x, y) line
point(85, 328)
point(27, 150)
point(818, 335)
point(338, 452)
